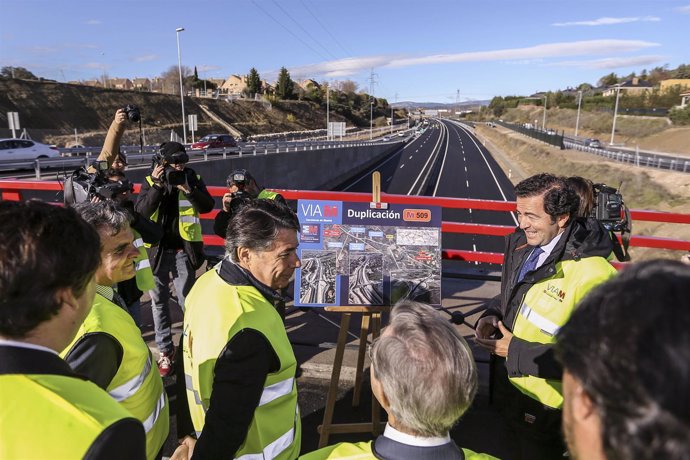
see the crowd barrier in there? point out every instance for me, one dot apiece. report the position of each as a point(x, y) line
point(20, 190)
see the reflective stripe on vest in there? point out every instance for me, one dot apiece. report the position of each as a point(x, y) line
point(277, 390)
point(133, 385)
point(142, 265)
point(151, 419)
point(267, 195)
point(547, 306)
point(189, 224)
point(137, 385)
point(214, 313)
point(546, 326)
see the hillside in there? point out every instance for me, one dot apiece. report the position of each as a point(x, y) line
point(649, 133)
point(52, 111)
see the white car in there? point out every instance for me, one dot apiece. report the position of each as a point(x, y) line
point(23, 149)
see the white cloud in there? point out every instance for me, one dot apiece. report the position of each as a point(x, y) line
point(607, 21)
point(612, 63)
point(93, 22)
point(145, 58)
point(683, 9)
point(208, 68)
point(351, 66)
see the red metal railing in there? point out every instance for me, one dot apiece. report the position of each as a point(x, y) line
point(12, 190)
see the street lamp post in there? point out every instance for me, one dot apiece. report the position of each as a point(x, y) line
point(579, 103)
point(615, 113)
point(328, 112)
point(179, 69)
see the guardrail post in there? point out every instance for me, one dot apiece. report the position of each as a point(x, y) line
point(37, 168)
point(685, 167)
point(205, 155)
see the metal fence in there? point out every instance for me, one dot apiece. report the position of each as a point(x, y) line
point(671, 163)
point(548, 136)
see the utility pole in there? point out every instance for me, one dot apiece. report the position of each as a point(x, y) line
point(579, 103)
point(393, 114)
point(372, 82)
point(543, 123)
point(615, 112)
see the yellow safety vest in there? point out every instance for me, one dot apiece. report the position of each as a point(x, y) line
point(214, 312)
point(363, 451)
point(144, 274)
point(52, 416)
point(546, 307)
point(267, 195)
point(137, 386)
point(189, 223)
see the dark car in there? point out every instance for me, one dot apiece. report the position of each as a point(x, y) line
point(594, 143)
point(214, 141)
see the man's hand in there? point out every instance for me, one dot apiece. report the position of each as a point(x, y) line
point(185, 187)
point(120, 117)
point(227, 198)
point(497, 347)
point(157, 173)
point(486, 327)
point(96, 199)
point(185, 450)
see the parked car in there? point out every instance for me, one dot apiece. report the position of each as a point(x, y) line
point(550, 132)
point(214, 141)
point(23, 149)
point(594, 143)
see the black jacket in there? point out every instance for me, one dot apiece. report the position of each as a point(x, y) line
point(164, 198)
point(581, 239)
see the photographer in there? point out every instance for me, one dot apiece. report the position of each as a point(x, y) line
point(242, 188)
point(174, 196)
point(111, 145)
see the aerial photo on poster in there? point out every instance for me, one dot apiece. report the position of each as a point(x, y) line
point(356, 254)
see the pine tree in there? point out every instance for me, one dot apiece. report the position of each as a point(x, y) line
point(284, 86)
point(196, 74)
point(253, 82)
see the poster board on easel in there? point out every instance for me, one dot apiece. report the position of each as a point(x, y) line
point(362, 258)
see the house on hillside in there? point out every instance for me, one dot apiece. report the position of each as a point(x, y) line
point(120, 83)
point(667, 85)
point(234, 85)
point(307, 83)
point(634, 86)
point(142, 84)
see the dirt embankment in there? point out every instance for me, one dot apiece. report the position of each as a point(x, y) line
point(642, 188)
point(52, 111)
point(649, 133)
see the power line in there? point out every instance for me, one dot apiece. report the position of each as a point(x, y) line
point(306, 6)
point(288, 30)
point(303, 29)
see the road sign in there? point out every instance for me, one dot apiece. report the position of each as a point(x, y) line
point(13, 120)
point(192, 122)
point(336, 128)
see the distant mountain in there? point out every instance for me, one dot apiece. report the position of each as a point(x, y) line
point(465, 105)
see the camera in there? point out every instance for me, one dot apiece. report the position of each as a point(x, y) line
point(171, 175)
point(609, 208)
point(240, 199)
point(132, 112)
point(82, 185)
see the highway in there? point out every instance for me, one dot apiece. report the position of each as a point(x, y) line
point(447, 160)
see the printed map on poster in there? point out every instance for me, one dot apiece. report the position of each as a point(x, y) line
point(354, 255)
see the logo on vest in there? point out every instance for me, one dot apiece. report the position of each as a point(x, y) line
point(554, 292)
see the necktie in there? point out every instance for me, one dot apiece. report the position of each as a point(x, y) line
point(531, 263)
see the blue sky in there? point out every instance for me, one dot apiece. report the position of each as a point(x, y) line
point(421, 50)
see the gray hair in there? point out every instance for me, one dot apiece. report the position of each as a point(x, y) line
point(105, 216)
point(256, 226)
point(426, 369)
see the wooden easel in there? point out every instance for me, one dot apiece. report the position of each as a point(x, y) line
point(371, 319)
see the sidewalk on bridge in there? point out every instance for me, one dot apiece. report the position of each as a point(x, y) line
point(313, 333)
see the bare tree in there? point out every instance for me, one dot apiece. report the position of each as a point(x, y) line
point(348, 86)
point(171, 78)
